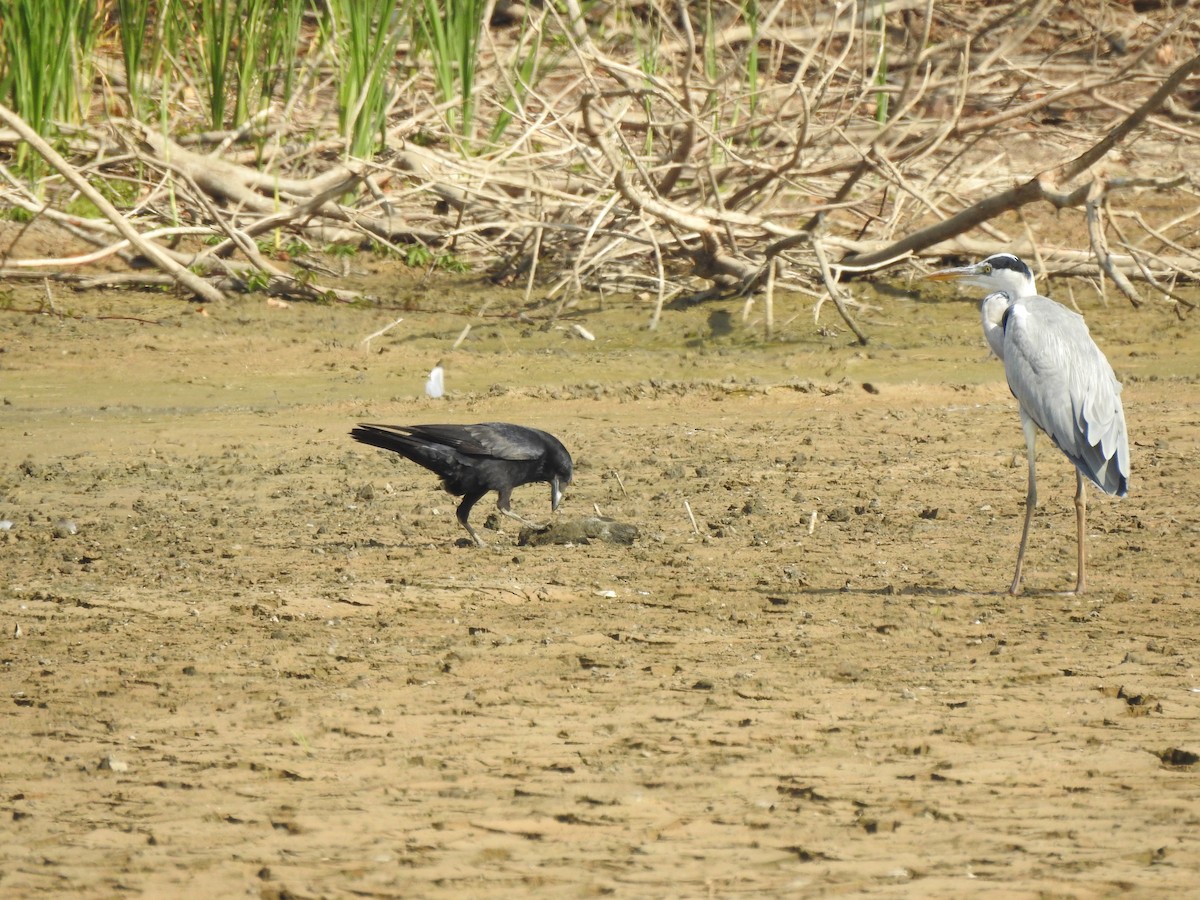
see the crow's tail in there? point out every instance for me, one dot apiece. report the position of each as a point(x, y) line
point(435, 457)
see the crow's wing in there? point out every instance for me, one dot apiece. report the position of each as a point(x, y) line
point(493, 440)
point(487, 440)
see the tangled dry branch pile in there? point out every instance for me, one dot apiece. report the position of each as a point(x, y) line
point(686, 158)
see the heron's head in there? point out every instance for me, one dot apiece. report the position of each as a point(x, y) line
point(999, 272)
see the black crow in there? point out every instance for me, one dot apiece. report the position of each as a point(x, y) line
point(475, 459)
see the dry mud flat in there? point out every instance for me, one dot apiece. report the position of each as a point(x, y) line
point(244, 656)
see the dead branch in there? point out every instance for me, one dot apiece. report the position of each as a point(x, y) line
point(1039, 188)
point(705, 165)
point(149, 249)
point(1094, 206)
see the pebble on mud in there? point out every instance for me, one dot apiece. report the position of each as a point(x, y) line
point(65, 528)
point(111, 764)
point(579, 531)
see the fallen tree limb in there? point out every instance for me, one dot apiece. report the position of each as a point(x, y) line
point(1042, 187)
point(149, 249)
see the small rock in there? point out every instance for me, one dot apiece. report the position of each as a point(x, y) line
point(65, 528)
point(111, 764)
point(1178, 756)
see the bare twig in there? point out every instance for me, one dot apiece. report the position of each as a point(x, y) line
point(366, 342)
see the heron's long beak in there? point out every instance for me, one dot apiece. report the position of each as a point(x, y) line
point(555, 493)
point(952, 274)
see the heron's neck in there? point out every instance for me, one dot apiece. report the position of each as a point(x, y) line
point(992, 312)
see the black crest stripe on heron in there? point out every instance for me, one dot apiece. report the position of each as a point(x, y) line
point(475, 459)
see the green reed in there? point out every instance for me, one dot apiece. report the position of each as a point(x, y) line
point(238, 54)
point(46, 52)
point(449, 31)
point(215, 22)
point(530, 62)
point(753, 91)
point(881, 68)
point(363, 35)
point(135, 22)
point(282, 28)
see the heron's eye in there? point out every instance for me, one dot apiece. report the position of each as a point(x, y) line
point(987, 269)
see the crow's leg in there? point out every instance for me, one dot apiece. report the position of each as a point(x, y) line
point(464, 510)
point(503, 503)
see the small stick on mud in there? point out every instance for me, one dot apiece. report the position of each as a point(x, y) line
point(620, 484)
point(812, 521)
point(366, 342)
point(688, 507)
point(462, 336)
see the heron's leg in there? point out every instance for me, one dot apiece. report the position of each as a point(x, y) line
point(1081, 529)
point(1030, 497)
point(464, 510)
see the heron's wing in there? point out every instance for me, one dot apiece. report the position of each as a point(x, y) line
point(1065, 384)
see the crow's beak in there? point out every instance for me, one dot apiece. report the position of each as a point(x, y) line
point(555, 493)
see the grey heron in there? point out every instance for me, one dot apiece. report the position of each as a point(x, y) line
point(475, 459)
point(1062, 381)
